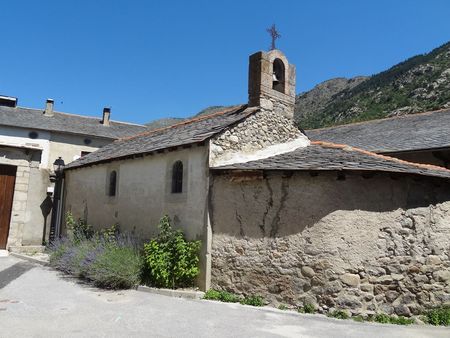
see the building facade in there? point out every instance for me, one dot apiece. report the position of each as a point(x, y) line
point(295, 220)
point(30, 142)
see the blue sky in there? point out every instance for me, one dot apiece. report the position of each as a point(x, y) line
point(152, 59)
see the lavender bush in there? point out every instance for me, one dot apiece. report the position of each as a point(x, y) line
point(110, 261)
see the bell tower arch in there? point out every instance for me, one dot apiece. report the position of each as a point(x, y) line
point(271, 82)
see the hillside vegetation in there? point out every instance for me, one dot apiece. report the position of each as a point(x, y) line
point(418, 84)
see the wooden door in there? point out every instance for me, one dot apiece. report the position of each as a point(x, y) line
point(7, 180)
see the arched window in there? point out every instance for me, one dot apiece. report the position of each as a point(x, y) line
point(112, 183)
point(177, 177)
point(278, 79)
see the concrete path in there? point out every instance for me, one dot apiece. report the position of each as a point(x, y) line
point(38, 302)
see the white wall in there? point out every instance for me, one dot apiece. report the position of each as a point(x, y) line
point(69, 147)
point(18, 137)
point(27, 222)
point(144, 194)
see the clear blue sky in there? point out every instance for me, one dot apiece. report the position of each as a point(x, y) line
point(152, 59)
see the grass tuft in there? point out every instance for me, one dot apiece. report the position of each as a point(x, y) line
point(338, 314)
point(438, 316)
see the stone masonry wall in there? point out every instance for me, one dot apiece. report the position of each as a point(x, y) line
point(364, 245)
point(258, 131)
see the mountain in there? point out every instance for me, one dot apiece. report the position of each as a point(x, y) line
point(164, 122)
point(418, 84)
point(320, 96)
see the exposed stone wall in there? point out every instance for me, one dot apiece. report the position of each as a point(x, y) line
point(277, 105)
point(366, 245)
point(258, 131)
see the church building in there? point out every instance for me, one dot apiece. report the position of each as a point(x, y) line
point(294, 220)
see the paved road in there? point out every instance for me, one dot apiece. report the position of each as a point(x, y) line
point(38, 302)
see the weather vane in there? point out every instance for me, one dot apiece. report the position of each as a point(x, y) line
point(274, 34)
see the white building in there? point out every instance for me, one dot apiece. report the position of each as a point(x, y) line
point(30, 142)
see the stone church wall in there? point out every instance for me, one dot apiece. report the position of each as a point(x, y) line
point(263, 129)
point(365, 245)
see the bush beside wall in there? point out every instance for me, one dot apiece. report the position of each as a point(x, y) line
point(110, 259)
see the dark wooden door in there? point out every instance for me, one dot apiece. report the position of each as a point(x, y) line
point(7, 180)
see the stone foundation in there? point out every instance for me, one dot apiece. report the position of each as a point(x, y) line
point(365, 245)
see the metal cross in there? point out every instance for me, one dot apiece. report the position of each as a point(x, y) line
point(274, 34)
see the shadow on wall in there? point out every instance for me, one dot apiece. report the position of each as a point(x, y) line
point(281, 204)
point(46, 208)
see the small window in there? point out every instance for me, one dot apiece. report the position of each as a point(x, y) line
point(33, 135)
point(112, 183)
point(87, 141)
point(177, 177)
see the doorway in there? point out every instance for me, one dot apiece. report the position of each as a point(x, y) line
point(7, 181)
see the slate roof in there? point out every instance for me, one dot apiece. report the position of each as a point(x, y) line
point(322, 156)
point(187, 132)
point(65, 123)
point(430, 130)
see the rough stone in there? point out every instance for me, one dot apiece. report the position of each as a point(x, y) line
point(308, 271)
point(350, 279)
point(366, 287)
point(433, 260)
point(362, 259)
point(257, 131)
point(402, 310)
point(442, 276)
point(234, 139)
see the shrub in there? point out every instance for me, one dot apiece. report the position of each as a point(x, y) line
point(400, 320)
point(438, 316)
point(116, 267)
point(253, 301)
point(108, 259)
point(307, 308)
point(57, 249)
point(170, 260)
point(79, 228)
point(339, 314)
point(212, 294)
point(386, 319)
point(382, 318)
point(282, 307)
point(358, 318)
point(110, 234)
point(222, 296)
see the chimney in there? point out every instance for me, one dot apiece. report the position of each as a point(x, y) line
point(49, 108)
point(8, 101)
point(106, 116)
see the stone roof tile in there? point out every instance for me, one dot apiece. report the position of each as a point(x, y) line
point(187, 132)
point(323, 156)
point(65, 123)
point(430, 130)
